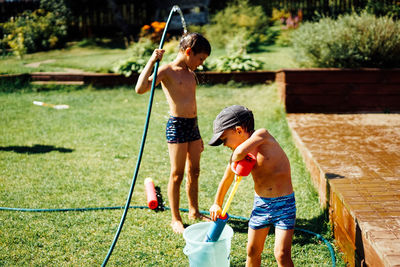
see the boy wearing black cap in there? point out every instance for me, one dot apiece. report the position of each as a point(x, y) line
point(274, 202)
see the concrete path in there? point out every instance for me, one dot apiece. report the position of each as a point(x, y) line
point(354, 162)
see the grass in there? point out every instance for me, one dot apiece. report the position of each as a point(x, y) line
point(99, 58)
point(85, 156)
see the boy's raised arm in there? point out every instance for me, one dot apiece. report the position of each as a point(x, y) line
point(251, 144)
point(144, 81)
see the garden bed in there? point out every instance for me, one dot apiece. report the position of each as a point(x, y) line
point(339, 90)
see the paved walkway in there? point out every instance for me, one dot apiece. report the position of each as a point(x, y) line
point(354, 162)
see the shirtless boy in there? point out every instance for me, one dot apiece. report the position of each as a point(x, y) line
point(274, 202)
point(185, 145)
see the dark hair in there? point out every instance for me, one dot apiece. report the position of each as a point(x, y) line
point(248, 125)
point(196, 42)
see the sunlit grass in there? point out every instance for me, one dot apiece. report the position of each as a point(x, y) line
point(84, 156)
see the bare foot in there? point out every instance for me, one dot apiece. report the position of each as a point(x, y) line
point(199, 216)
point(177, 227)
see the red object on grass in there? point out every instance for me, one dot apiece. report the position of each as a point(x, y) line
point(150, 193)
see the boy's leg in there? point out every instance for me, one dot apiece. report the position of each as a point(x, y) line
point(283, 247)
point(177, 155)
point(193, 171)
point(255, 246)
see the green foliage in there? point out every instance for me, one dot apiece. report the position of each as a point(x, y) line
point(129, 66)
point(140, 51)
point(238, 62)
point(351, 41)
point(58, 7)
point(240, 23)
point(381, 8)
point(34, 31)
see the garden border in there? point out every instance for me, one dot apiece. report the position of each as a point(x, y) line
point(113, 79)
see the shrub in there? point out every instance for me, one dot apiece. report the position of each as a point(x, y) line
point(380, 8)
point(240, 20)
point(238, 62)
point(140, 53)
point(34, 31)
point(58, 7)
point(351, 41)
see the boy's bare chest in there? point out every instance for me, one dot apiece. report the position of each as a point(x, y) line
point(182, 83)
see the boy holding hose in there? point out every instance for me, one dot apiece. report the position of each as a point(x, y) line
point(274, 202)
point(185, 145)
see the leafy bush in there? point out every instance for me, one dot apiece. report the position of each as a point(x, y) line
point(58, 7)
point(242, 23)
point(380, 8)
point(238, 62)
point(129, 66)
point(351, 41)
point(34, 31)
point(140, 51)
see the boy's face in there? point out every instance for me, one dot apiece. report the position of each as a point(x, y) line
point(195, 60)
point(232, 138)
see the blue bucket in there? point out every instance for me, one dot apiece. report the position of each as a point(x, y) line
point(207, 254)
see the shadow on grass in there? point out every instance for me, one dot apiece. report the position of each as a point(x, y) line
point(35, 149)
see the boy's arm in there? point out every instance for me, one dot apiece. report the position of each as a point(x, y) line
point(223, 187)
point(144, 81)
point(258, 138)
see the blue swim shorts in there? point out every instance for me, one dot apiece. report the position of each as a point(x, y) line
point(182, 130)
point(277, 211)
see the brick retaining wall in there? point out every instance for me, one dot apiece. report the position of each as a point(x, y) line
point(339, 90)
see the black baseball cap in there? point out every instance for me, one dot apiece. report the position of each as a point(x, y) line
point(229, 117)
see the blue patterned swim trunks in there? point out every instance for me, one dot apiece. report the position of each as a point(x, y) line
point(277, 211)
point(182, 130)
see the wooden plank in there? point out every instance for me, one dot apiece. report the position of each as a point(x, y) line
point(341, 75)
point(341, 104)
point(343, 89)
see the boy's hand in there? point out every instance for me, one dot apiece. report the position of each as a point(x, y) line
point(157, 55)
point(215, 211)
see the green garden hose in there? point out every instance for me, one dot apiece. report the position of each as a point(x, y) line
point(146, 126)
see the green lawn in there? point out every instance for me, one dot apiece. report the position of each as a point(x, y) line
point(85, 156)
point(98, 58)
